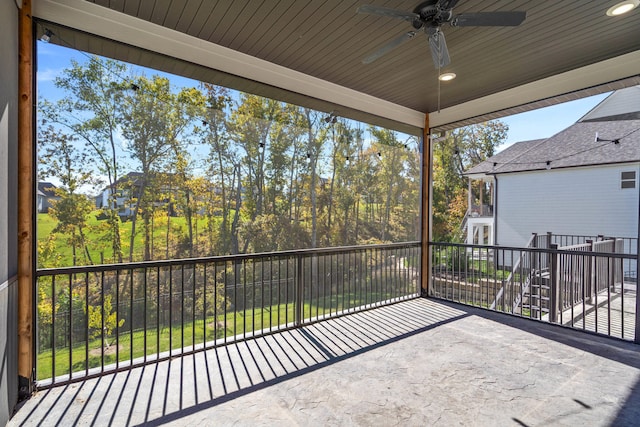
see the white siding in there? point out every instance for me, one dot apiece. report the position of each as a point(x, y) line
point(583, 201)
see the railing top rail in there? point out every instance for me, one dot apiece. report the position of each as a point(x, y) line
point(575, 247)
point(219, 258)
point(591, 236)
point(534, 250)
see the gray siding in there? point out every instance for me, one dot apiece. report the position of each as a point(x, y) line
point(8, 207)
point(584, 201)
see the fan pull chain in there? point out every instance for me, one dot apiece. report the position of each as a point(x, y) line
point(439, 61)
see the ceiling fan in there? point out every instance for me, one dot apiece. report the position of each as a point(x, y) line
point(429, 16)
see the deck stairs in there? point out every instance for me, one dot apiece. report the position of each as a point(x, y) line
point(462, 230)
point(534, 298)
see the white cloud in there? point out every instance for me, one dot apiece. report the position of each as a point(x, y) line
point(48, 75)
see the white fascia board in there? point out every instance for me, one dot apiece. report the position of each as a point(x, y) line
point(101, 21)
point(603, 72)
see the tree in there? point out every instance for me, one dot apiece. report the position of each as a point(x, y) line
point(251, 126)
point(103, 320)
point(219, 166)
point(61, 159)
point(462, 149)
point(92, 110)
point(313, 124)
point(153, 120)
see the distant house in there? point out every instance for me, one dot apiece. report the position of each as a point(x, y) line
point(46, 194)
point(581, 181)
point(126, 190)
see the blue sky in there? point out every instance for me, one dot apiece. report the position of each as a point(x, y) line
point(548, 121)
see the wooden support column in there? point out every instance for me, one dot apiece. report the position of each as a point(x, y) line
point(426, 208)
point(25, 202)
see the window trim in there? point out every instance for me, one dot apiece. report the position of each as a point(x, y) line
point(626, 182)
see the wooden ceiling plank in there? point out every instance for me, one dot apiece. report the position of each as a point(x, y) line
point(317, 36)
point(159, 12)
point(117, 5)
point(294, 33)
point(252, 39)
point(187, 15)
point(174, 12)
point(268, 44)
point(245, 23)
point(232, 16)
point(205, 20)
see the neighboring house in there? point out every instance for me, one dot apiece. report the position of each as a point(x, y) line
point(45, 196)
point(127, 189)
point(582, 181)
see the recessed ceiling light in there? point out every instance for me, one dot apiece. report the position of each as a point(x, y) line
point(623, 7)
point(447, 77)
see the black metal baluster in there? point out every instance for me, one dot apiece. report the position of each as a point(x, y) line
point(144, 309)
point(70, 325)
point(193, 308)
point(204, 305)
point(170, 310)
point(159, 297)
point(86, 324)
point(53, 329)
point(117, 327)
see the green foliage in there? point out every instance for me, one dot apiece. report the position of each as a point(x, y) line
point(107, 324)
point(457, 259)
point(217, 172)
point(462, 149)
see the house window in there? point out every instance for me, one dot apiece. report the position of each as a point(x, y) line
point(628, 179)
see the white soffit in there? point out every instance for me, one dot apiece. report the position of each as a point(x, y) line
point(593, 75)
point(104, 22)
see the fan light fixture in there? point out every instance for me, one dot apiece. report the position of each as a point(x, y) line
point(623, 7)
point(446, 77)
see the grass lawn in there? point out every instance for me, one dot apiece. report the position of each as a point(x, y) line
point(235, 325)
point(98, 247)
point(166, 338)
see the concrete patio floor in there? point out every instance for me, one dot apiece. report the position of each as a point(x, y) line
point(420, 362)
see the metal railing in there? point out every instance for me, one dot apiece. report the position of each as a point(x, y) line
point(481, 210)
point(628, 245)
point(581, 287)
point(104, 318)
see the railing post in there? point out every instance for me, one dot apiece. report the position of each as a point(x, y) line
point(425, 210)
point(548, 245)
point(636, 337)
point(553, 288)
point(591, 266)
point(299, 291)
point(532, 257)
point(613, 267)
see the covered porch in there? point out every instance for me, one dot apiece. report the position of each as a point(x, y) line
point(418, 359)
point(416, 362)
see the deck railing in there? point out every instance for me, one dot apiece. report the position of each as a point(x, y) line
point(626, 245)
point(581, 287)
point(101, 318)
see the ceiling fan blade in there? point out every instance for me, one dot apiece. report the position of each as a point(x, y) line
point(394, 43)
point(489, 19)
point(439, 51)
point(386, 11)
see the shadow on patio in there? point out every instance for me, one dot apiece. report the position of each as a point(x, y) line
point(418, 362)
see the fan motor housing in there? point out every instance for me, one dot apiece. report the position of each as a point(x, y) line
point(430, 14)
